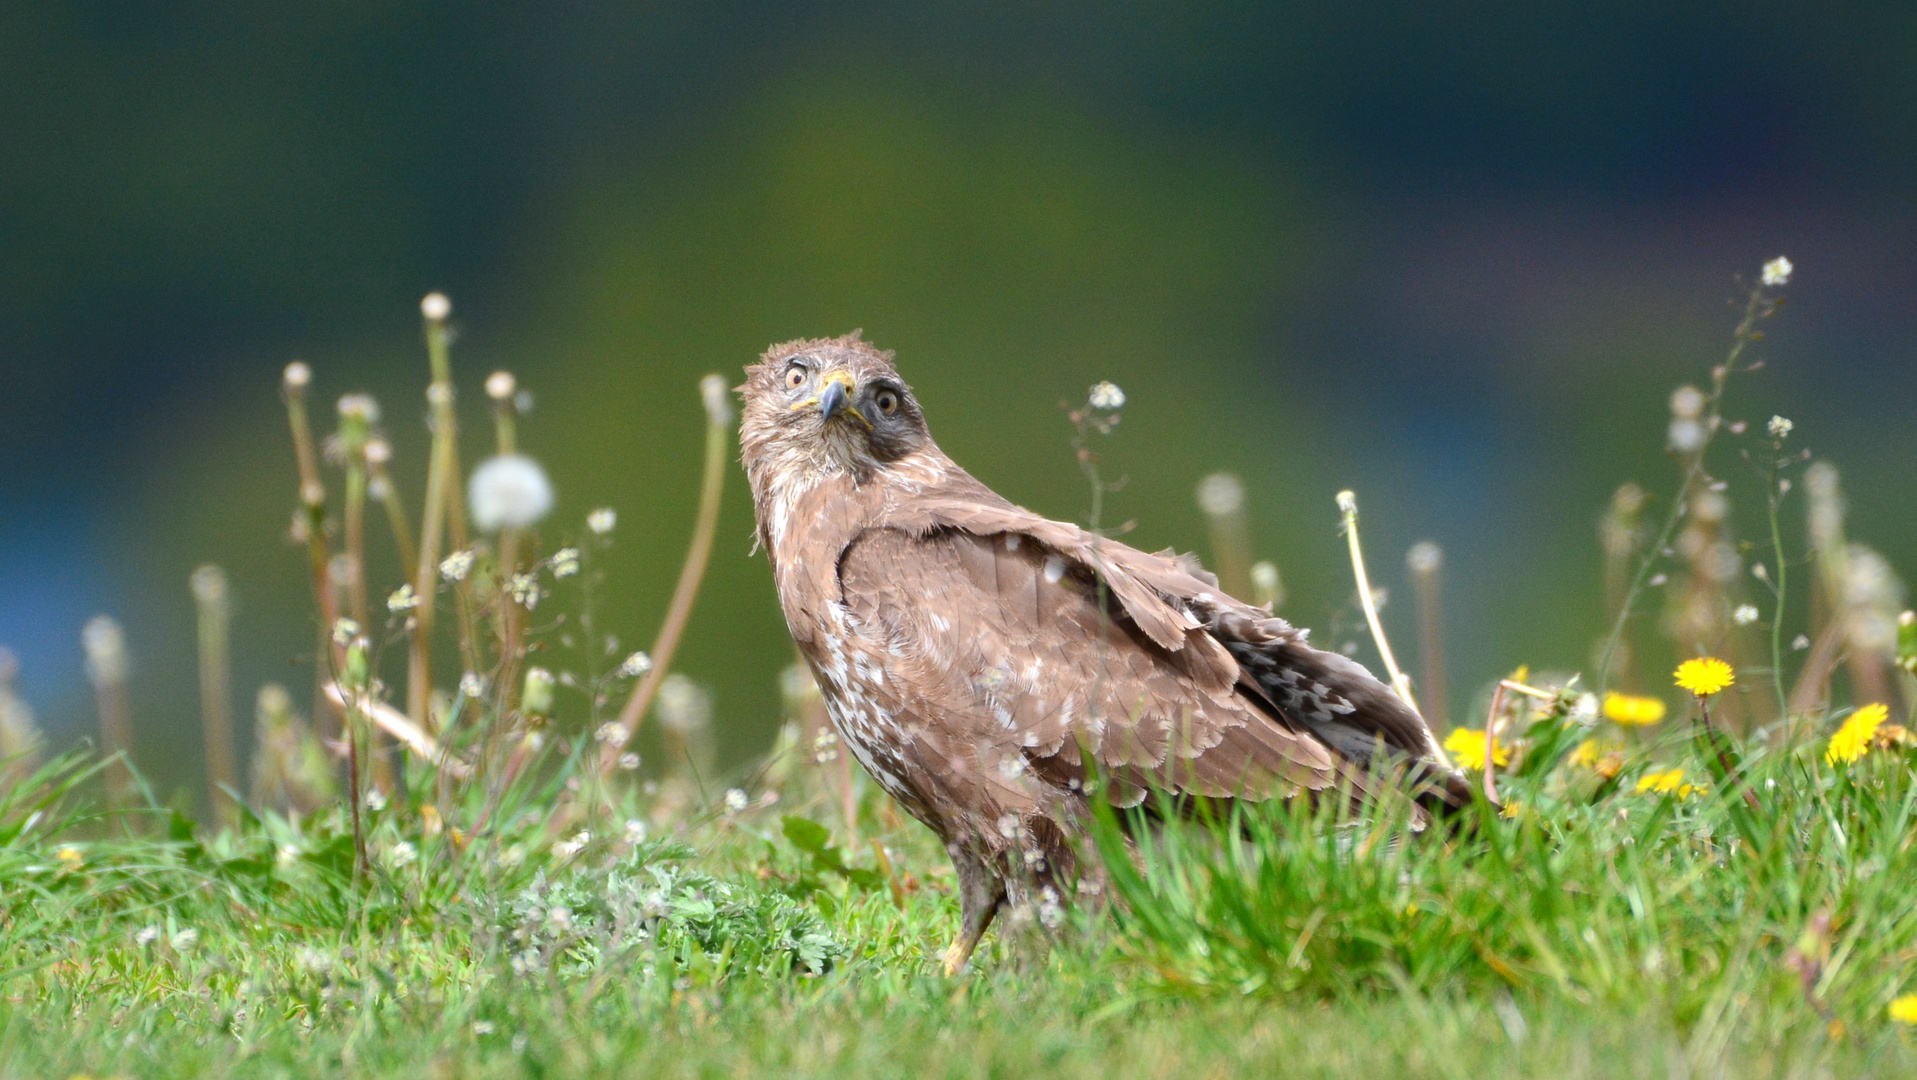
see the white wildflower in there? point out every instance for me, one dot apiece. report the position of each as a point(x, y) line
point(559, 916)
point(736, 800)
point(1221, 495)
point(1686, 435)
point(344, 631)
point(402, 854)
point(472, 685)
point(482, 1027)
point(150, 934)
point(629, 761)
point(635, 831)
point(1688, 402)
point(635, 665)
point(1107, 395)
point(1008, 826)
point(1780, 427)
point(509, 491)
point(566, 849)
point(317, 961)
point(1777, 272)
point(1800, 643)
point(375, 800)
point(1745, 614)
point(288, 855)
point(602, 520)
point(825, 747)
point(613, 733)
point(402, 599)
point(565, 562)
point(184, 940)
point(524, 589)
point(684, 705)
point(456, 566)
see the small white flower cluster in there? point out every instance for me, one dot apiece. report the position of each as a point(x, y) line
point(612, 733)
point(456, 566)
point(564, 562)
point(629, 761)
point(1780, 428)
point(566, 849)
point(1050, 912)
point(736, 800)
point(525, 591)
point(402, 854)
point(635, 831)
point(1745, 614)
point(344, 631)
point(1687, 428)
point(375, 799)
point(635, 665)
point(402, 599)
point(825, 747)
point(1107, 396)
point(1777, 272)
point(472, 685)
point(601, 521)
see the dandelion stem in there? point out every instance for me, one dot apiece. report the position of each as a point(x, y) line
point(718, 438)
point(442, 479)
point(1491, 745)
point(105, 645)
point(216, 690)
point(313, 507)
point(1400, 685)
point(1777, 614)
point(1754, 309)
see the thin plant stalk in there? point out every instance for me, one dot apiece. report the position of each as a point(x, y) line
point(1426, 563)
point(105, 645)
point(1774, 499)
point(1400, 685)
point(357, 413)
point(313, 524)
point(380, 487)
point(210, 598)
point(1754, 309)
point(718, 440)
point(442, 478)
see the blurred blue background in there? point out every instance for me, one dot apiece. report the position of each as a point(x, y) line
point(1452, 256)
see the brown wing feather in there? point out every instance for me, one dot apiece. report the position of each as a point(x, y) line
point(1005, 631)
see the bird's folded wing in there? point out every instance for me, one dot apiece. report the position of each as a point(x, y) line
point(1003, 635)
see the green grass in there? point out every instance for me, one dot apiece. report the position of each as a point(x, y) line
point(1602, 932)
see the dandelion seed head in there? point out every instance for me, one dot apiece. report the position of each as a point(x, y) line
point(296, 376)
point(1221, 495)
point(1685, 435)
point(1425, 558)
point(1687, 401)
point(1777, 272)
point(717, 402)
point(1107, 396)
point(500, 385)
point(435, 306)
point(509, 491)
point(684, 706)
point(105, 645)
point(359, 409)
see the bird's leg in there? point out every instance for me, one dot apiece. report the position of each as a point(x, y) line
point(981, 894)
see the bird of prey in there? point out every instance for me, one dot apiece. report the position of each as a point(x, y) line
point(995, 671)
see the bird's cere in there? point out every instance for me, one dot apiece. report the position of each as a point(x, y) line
point(1107, 396)
point(1221, 495)
point(500, 385)
point(436, 307)
point(601, 521)
point(509, 491)
point(1777, 272)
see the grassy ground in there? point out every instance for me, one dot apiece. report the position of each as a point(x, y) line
point(1600, 932)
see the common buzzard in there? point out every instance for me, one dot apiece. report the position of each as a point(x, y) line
point(965, 660)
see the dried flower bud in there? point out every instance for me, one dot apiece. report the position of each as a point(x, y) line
point(297, 376)
point(436, 307)
point(500, 385)
point(536, 698)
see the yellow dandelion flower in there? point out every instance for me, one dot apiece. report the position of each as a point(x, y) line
point(1894, 735)
point(1704, 676)
point(1586, 755)
point(1668, 782)
point(1513, 810)
point(1598, 759)
point(1631, 710)
point(69, 857)
point(1904, 1009)
point(1467, 746)
point(1853, 740)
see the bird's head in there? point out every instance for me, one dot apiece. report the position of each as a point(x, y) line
point(827, 405)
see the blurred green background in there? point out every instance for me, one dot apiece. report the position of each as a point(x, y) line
point(1452, 256)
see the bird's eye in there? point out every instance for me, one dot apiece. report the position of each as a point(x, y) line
point(887, 401)
point(795, 376)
